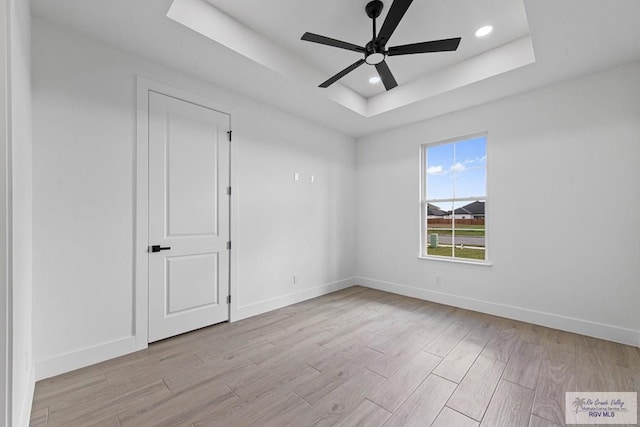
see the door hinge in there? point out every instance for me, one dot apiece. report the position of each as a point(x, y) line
point(229, 132)
point(229, 245)
point(229, 191)
point(228, 299)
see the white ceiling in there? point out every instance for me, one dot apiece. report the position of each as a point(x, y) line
point(570, 38)
point(290, 57)
point(284, 22)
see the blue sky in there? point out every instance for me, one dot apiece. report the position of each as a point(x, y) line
point(457, 170)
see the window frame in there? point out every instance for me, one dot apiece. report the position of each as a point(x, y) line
point(424, 200)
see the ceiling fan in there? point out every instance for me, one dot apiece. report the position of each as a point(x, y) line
point(376, 50)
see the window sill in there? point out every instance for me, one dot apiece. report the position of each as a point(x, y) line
point(456, 261)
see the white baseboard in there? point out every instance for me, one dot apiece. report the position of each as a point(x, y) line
point(555, 321)
point(84, 357)
point(249, 310)
point(25, 411)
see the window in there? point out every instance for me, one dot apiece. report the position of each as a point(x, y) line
point(454, 198)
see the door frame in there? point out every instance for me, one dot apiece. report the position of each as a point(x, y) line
point(6, 245)
point(140, 327)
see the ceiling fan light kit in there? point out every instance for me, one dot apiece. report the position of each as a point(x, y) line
point(375, 51)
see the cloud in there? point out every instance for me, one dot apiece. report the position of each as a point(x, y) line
point(476, 160)
point(435, 170)
point(458, 167)
point(439, 169)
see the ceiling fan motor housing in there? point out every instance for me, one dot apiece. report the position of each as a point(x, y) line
point(374, 54)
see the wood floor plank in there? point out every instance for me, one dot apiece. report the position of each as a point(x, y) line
point(100, 409)
point(274, 408)
point(286, 378)
point(473, 395)
point(275, 412)
point(330, 379)
point(554, 380)
point(510, 406)
point(225, 371)
point(536, 421)
point(394, 391)
point(337, 406)
point(502, 344)
point(403, 349)
point(235, 348)
point(619, 354)
point(482, 332)
point(445, 342)
point(357, 330)
point(280, 355)
point(524, 365)
point(356, 351)
point(192, 340)
point(424, 404)
point(146, 371)
point(603, 376)
point(110, 421)
point(436, 322)
point(368, 414)
point(450, 418)
point(181, 408)
point(312, 331)
point(456, 364)
point(57, 393)
point(39, 417)
point(560, 346)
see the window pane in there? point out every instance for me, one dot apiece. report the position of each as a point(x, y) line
point(469, 230)
point(439, 229)
point(470, 182)
point(470, 167)
point(439, 174)
point(472, 152)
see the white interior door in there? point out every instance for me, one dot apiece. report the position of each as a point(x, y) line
point(188, 216)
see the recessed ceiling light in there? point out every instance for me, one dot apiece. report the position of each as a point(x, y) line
point(483, 31)
point(373, 80)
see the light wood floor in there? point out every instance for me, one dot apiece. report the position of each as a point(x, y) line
point(354, 357)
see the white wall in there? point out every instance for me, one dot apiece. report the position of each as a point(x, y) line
point(564, 197)
point(19, 278)
point(5, 233)
point(84, 102)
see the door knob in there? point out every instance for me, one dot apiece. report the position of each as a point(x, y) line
point(158, 248)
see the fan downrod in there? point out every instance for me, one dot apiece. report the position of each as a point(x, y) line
point(374, 53)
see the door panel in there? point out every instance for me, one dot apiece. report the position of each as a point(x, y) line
point(192, 183)
point(188, 213)
point(191, 282)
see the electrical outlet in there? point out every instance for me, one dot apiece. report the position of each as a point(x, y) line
point(438, 280)
point(295, 280)
point(296, 176)
point(312, 179)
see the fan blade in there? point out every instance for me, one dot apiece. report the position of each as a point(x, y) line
point(445, 45)
point(386, 76)
point(316, 38)
point(342, 73)
point(395, 14)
